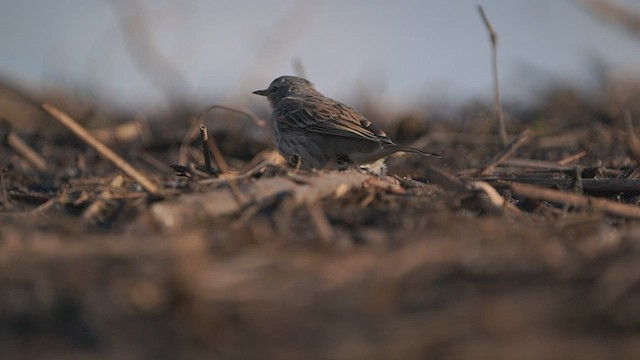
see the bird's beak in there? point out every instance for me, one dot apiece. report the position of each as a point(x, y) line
point(261, 92)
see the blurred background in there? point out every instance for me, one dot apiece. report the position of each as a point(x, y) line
point(139, 54)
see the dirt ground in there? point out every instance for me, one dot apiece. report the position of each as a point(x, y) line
point(438, 259)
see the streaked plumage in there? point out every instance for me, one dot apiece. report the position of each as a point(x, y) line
point(321, 130)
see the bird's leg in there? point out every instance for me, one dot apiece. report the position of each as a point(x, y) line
point(378, 168)
point(294, 162)
point(343, 162)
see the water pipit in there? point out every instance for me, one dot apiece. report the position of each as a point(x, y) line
point(320, 132)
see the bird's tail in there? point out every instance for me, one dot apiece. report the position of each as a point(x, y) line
point(369, 157)
point(397, 148)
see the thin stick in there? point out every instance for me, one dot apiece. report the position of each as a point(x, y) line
point(508, 151)
point(44, 206)
point(632, 142)
point(578, 186)
point(4, 195)
point(246, 112)
point(582, 201)
point(496, 84)
point(320, 221)
point(599, 186)
point(195, 123)
point(222, 164)
point(217, 154)
point(102, 149)
point(536, 164)
point(571, 158)
point(155, 163)
point(444, 179)
point(26, 152)
point(100, 208)
point(204, 135)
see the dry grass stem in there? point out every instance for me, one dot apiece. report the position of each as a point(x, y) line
point(572, 158)
point(632, 142)
point(204, 136)
point(196, 121)
point(507, 152)
point(224, 169)
point(102, 208)
point(154, 163)
point(26, 152)
point(444, 179)
point(4, 194)
point(320, 221)
point(102, 149)
point(493, 35)
point(576, 200)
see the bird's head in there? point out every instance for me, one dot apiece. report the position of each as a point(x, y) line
point(285, 86)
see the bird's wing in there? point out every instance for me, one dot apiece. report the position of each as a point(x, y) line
point(327, 116)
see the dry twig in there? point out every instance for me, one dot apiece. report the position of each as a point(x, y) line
point(444, 179)
point(508, 151)
point(26, 152)
point(204, 136)
point(4, 194)
point(573, 157)
point(576, 200)
point(195, 123)
point(496, 84)
point(224, 169)
point(480, 193)
point(102, 207)
point(154, 163)
point(102, 149)
point(632, 142)
point(320, 221)
point(536, 164)
point(600, 186)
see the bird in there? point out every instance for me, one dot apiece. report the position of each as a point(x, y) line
point(319, 132)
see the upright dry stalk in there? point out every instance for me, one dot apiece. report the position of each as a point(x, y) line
point(496, 85)
point(204, 136)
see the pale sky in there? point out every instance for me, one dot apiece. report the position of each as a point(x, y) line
point(414, 50)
